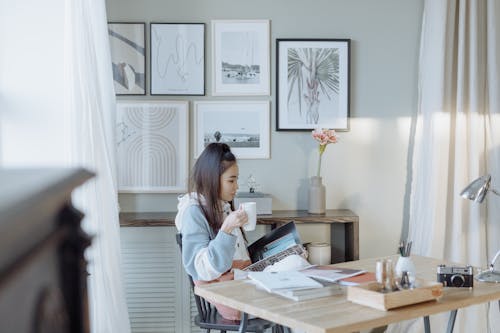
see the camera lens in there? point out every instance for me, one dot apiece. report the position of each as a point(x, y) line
point(457, 280)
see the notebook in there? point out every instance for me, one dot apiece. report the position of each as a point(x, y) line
point(330, 273)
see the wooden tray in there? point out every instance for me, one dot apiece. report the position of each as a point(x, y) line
point(369, 295)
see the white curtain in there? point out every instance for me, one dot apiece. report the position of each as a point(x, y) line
point(89, 95)
point(457, 139)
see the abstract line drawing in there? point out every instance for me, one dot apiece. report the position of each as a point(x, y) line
point(152, 146)
point(177, 59)
point(241, 57)
point(312, 84)
point(128, 56)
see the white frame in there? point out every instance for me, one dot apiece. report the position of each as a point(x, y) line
point(259, 29)
point(177, 58)
point(127, 42)
point(228, 111)
point(168, 145)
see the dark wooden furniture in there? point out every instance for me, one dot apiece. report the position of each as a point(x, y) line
point(42, 268)
point(344, 226)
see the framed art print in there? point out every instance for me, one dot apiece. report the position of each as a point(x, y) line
point(177, 58)
point(152, 146)
point(128, 57)
point(241, 57)
point(243, 125)
point(312, 84)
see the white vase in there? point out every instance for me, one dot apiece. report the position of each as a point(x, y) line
point(316, 196)
point(405, 264)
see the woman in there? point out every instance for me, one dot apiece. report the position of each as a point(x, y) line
point(212, 238)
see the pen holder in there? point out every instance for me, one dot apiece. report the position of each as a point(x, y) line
point(405, 264)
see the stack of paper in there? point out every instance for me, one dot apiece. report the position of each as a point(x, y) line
point(273, 281)
point(310, 293)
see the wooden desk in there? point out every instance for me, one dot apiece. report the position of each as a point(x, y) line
point(335, 313)
point(344, 226)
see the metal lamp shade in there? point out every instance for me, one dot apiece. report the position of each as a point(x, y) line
point(477, 190)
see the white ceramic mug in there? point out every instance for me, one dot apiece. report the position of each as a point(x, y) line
point(251, 209)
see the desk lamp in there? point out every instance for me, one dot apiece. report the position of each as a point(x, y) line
point(476, 191)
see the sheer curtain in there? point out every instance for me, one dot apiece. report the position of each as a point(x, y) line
point(56, 109)
point(457, 139)
point(89, 95)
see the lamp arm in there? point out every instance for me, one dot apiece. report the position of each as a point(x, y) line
point(492, 265)
point(498, 253)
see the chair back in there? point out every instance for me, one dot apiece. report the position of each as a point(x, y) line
point(205, 309)
point(209, 319)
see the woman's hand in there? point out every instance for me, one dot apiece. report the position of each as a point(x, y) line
point(236, 219)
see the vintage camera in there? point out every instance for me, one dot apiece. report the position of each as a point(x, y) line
point(455, 276)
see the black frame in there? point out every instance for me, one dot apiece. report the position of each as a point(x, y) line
point(347, 68)
point(144, 57)
point(152, 68)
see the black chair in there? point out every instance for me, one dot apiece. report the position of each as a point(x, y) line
point(209, 319)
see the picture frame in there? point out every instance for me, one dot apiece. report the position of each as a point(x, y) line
point(320, 99)
point(241, 57)
point(243, 125)
point(177, 58)
point(152, 139)
point(128, 56)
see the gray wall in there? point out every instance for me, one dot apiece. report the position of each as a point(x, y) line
point(367, 171)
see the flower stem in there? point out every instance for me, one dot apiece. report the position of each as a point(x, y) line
point(319, 162)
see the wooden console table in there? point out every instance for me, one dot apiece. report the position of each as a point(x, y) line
point(344, 226)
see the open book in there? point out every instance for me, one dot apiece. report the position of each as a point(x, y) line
point(274, 246)
point(295, 285)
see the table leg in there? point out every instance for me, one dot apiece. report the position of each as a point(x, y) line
point(427, 325)
point(243, 322)
point(451, 321)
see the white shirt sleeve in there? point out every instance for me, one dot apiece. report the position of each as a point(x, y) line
point(203, 266)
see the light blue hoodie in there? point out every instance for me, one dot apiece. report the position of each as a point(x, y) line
point(205, 256)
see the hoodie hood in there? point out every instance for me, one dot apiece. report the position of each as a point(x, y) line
point(191, 199)
point(185, 201)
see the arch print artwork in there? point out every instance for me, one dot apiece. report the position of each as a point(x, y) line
point(152, 144)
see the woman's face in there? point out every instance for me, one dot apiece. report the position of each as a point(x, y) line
point(229, 183)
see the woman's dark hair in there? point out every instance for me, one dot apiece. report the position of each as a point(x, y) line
point(205, 180)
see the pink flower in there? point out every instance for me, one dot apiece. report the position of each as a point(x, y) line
point(324, 137)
